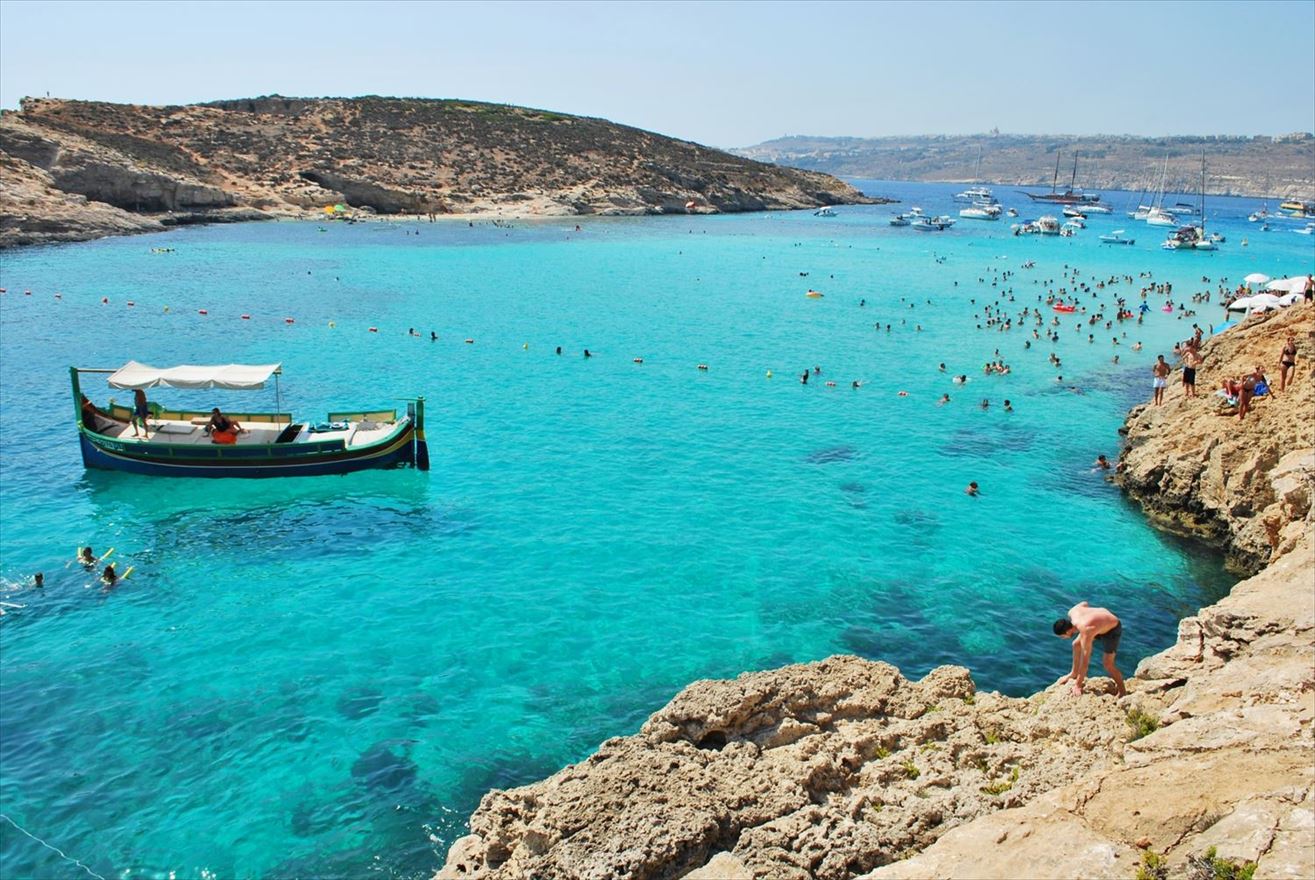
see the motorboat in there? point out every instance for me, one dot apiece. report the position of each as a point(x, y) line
point(1182, 209)
point(975, 194)
point(981, 212)
point(1258, 216)
point(1075, 223)
point(1047, 225)
point(1298, 208)
point(1308, 229)
point(1070, 211)
point(182, 443)
point(1189, 238)
point(899, 220)
point(923, 223)
point(1093, 208)
point(1116, 237)
point(824, 211)
point(1012, 213)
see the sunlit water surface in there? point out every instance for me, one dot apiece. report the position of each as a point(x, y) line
point(322, 676)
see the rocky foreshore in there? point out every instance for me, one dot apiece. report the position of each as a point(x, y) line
point(73, 170)
point(844, 768)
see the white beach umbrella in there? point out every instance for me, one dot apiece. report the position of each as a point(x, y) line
point(1264, 301)
point(1241, 304)
point(1287, 285)
point(1256, 278)
point(1290, 299)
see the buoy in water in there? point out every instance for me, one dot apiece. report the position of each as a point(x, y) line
point(27, 293)
point(166, 310)
point(104, 300)
point(769, 374)
point(332, 324)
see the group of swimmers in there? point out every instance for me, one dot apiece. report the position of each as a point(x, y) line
point(87, 558)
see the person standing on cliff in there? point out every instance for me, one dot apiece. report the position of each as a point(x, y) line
point(1160, 369)
point(1091, 625)
point(1287, 362)
point(1191, 360)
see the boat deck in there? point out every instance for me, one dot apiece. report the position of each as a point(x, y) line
point(193, 433)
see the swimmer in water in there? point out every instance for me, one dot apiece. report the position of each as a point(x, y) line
point(87, 557)
point(1009, 407)
point(1101, 463)
point(109, 576)
point(945, 398)
point(972, 489)
point(38, 580)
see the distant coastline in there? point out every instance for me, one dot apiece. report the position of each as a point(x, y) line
point(1272, 168)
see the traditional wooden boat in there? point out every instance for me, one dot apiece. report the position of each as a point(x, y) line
point(179, 443)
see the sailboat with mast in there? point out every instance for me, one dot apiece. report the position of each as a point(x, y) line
point(1157, 216)
point(1193, 238)
point(1071, 196)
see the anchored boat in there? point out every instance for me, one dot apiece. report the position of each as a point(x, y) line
point(180, 443)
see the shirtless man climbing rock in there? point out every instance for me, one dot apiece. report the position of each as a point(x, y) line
point(1091, 625)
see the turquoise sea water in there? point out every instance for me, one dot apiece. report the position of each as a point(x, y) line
point(322, 676)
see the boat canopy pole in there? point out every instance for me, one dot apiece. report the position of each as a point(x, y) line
point(278, 405)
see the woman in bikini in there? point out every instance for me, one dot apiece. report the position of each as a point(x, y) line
point(1287, 362)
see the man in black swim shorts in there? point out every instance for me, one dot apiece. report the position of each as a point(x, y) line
point(1091, 626)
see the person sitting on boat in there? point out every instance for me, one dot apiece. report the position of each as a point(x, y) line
point(89, 414)
point(222, 429)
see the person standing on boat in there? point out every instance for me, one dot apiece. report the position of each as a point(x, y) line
point(140, 409)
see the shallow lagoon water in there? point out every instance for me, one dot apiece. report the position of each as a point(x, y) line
point(322, 676)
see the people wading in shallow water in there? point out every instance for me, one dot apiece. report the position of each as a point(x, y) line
point(1088, 626)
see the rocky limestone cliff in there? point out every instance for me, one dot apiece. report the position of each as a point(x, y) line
point(844, 769)
point(292, 156)
point(1240, 485)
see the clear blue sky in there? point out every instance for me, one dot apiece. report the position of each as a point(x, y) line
point(725, 74)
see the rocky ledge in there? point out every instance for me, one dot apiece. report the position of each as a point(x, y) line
point(83, 169)
point(844, 768)
point(1241, 485)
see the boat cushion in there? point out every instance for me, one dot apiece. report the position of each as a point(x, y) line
point(223, 437)
point(167, 428)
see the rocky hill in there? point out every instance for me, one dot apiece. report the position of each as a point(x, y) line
point(1268, 167)
point(844, 768)
point(80, 169)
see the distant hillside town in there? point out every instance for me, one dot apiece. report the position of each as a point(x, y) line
point(1260, 165)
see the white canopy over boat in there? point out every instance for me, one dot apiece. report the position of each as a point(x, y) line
point(233, 377)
